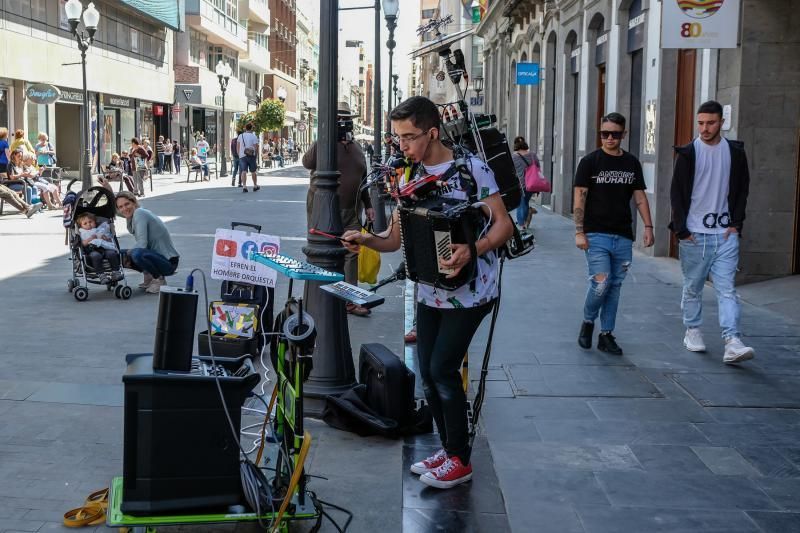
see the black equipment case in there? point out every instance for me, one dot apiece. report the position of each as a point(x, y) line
point(498, 157)
point(390, 384)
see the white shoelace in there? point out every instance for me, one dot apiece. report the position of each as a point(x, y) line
point(446, 467)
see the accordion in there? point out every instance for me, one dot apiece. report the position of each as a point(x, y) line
point(428, 228)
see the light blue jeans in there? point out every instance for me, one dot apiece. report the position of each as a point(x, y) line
point(608, 259)
point(715, 255)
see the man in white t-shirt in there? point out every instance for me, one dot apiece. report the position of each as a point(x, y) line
point(248, 157)
point(709, 191)
point(446, 320)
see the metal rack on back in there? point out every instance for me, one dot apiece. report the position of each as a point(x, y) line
point(291, 351)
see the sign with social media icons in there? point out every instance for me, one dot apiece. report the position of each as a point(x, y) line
point(231, 257)
point(700, 23)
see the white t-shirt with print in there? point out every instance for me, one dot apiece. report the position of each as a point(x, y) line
point(708, 212)
point(484, 289)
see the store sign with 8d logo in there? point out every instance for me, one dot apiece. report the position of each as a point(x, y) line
point(699, 23)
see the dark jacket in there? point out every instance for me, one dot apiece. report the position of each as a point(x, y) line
point(683, 183)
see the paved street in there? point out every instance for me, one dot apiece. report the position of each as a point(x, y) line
point(571, 441)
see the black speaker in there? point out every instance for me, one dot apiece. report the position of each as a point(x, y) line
point(498, 156)
point(177, 312)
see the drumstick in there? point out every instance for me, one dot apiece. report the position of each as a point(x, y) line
point(315, 231)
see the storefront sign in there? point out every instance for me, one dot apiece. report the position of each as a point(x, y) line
point(601, 49)
point(117, 101)
point(231, 257)
point(699, 23)
point(527, 73)
point(71, 96)
point(158, 110)
point(636, 29)
point(42, 93)
point(188, 94)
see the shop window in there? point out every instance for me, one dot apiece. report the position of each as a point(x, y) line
point(37, 121)
point(3, 107)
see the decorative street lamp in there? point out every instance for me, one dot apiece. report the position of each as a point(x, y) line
point(390, 9)
point(333, 371)
point(399, 96)
point(91, 18)
point(477, 86)
point(224, 72)
point(281, 93)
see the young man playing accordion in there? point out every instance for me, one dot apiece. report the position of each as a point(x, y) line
point(446, 320)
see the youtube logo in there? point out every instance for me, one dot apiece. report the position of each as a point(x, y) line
point(226, 248)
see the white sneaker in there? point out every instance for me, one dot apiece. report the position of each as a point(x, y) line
point(148, 279)
point(693, 340)
point(155, 286)
point(736, 351)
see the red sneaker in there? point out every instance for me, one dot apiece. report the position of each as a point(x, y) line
point(450, 474)
point(432, 462)
point(411, 336)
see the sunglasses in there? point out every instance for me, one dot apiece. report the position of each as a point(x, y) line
point(613, 134)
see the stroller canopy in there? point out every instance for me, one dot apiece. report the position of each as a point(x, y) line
point(96, 200)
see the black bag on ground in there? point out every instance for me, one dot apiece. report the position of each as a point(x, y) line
point(383, 404)
point(390, 384)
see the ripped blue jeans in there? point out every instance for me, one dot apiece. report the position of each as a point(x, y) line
point(718, 256)
point(609, 257)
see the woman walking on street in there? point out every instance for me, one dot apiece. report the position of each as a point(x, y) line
point(523, 158)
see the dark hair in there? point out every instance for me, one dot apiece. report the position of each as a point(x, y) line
point(520, 144)
point(135, 141)
point(615, 118)
point(422, 112)
point(713, 107)
point(249, 126)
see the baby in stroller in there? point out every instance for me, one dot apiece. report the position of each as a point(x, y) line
point(98, 243)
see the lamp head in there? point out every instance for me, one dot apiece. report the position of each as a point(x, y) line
point(391, 7)
point(477, 84)
point(91, 18)
point(73, 9)
point(281, 93)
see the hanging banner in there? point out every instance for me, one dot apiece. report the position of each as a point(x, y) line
point(231, 257)
point(699, 23)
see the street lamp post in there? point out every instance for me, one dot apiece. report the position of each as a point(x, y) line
point(394, 96)
point(91, 17)
point(333, 371)
point(224, 72)
point(390, 9)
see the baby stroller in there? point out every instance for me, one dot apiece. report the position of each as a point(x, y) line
point(100, 202)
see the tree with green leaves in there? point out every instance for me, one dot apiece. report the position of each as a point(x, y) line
point(269, 116)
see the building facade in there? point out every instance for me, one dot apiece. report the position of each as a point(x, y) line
point(129, 75)
point(282, 81)
point(308, 83)
point(598, 56)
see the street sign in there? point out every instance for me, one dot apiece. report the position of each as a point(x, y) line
point(301, 126)
point(527, 73)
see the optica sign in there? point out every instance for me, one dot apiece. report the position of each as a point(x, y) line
point(527, 73)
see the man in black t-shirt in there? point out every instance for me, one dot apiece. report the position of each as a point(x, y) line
point(605, 181)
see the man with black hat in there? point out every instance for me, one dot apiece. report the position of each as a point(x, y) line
point(352, 166)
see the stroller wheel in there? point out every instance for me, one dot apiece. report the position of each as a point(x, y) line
point(81, 294)
point(125, 292)
point(70, 284)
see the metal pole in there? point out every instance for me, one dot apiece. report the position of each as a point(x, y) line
point(380, 222)
point(391, 22)
point(86, 168)
point(223, 173)
point(333, 371)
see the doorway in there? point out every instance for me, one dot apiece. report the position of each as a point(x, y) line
point(69, 145)
point(684, 112)
point(601, 101)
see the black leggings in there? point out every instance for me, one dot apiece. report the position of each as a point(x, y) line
point(443, 337)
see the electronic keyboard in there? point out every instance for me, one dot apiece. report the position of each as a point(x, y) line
point(353, 294)
point(296, 269)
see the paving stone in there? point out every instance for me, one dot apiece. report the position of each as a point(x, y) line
point(20, 525)
point(615, 520)
point(681, 491)
point(540, 455)
point(556, 487)
point(769, 462)
point(513, 410)
point(428, 520)
point(776, 522)
point(668, 459)
point(749, 434)
point(792, 454)
point(743, 415)
point(744, 390)
point(783, 491)
point(580, 381)
point(660, 410)
point(618, 432)
point(83, 393)
point(725, 461)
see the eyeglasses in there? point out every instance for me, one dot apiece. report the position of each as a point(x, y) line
point(613, 134)
point(408, 138)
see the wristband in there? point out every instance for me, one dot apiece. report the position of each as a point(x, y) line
point(651, 227)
